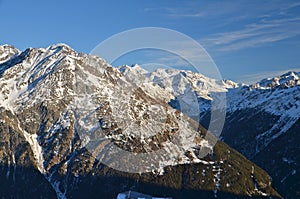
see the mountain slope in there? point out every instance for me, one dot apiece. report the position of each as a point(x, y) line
point(267, 114)
point(259, 117)
point(71, 112)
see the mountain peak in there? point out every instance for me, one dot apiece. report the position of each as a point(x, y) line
point(7, 52)
point(60, 45)
point(6, 46)
point(73, 110)
point(133, 68)
point(293, 74)
point(288, 79)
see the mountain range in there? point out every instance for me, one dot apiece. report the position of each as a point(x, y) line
point(262, 119)
point(73, 126)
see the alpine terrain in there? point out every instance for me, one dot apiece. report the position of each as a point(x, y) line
point(262, 120)
point(72, 126)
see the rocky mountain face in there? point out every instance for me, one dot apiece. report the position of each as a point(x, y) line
point(72, 126)
point(262, 120)
point(268, 128)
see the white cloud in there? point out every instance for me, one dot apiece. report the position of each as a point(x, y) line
point(198, 14)
point(256, 23)
point(256, 34)
point(182, 12)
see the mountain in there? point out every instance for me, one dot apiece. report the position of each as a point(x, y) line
point(268, 128)
point(72, 126)
point(262, 120)
point(7, 52)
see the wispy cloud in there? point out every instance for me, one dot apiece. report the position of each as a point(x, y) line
point(186, 12)
point(197, 14)
point(223, 27)
point(256, 34)
point(273, 24)
point(248, 23)
point(292, 5)
point(220, 10)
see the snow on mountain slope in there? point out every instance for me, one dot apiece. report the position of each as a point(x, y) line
point(184, 90)
point(7, 52)
point(76, 112)
point(58, 77)
point(40, 78)
point(260, 118)
point(277, 96)
point(203, 86)
point(177, 82)
point(140, 77)
point(257, 115)
point(286, 80)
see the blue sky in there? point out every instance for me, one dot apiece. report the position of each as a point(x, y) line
point(248, 40)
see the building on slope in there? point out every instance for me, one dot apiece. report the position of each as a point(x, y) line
point(136, 195)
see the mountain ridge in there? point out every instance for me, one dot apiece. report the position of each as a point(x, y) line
point(257, 115)
point(59, 101)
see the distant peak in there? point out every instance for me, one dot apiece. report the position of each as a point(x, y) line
point(60, 46)
point(290, 74)
point(7, 52)
point(288, 79)
point(135, 67)
point(8, 47)
point(231, 84)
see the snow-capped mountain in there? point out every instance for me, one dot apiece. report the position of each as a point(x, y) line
point(286, 80)
point(262, 123)
point(257, 116)
point(73, 126)
point(7, 52)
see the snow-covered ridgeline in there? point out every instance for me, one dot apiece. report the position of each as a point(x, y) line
point(277, 90)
